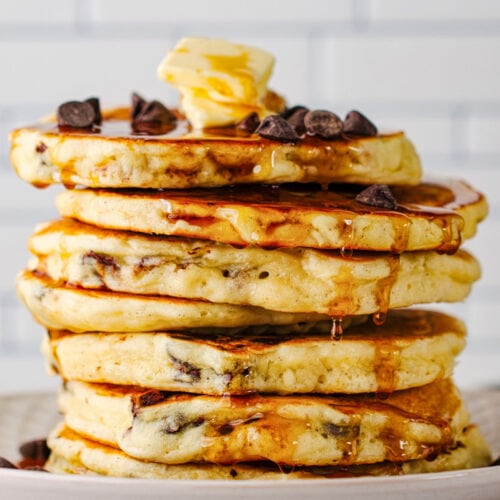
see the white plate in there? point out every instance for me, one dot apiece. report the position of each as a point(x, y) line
point(29, 416)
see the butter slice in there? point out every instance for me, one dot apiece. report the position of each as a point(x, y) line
point(220, 82)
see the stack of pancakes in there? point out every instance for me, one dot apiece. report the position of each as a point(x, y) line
point(224, 305)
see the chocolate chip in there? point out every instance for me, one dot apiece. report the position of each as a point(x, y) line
point(36, 449)
point(288, 112)
point(225, 429)
point(249, 123)
point(150, 117)
point(495, 462)
point(296, 120)
point(94, 102)
point(5, 464)
point(341, 431)
point(277, 128)
point(356, 123)
point(41, 147)
point(76, 114)
point(151, 398)
point(378, 195)
point(324, 124)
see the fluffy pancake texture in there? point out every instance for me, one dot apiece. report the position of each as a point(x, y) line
point(412, 348)
point(434, 215)
point(60, 307)
point(74, 454)
point(297, 280)
point(114, 157)
point(176, 428)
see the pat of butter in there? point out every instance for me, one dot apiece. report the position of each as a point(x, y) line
point(220, 82)
point(203, 111)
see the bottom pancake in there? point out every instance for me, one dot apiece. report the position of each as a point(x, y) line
point(74, 454)
point(413, 348)
point(175, 428)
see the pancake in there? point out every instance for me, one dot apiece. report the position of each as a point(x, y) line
point(74, 454)
point(79, 310)
point(412, 348)
point(113, 156)
point(297, 280)
point(175, 428)
point(434, 215)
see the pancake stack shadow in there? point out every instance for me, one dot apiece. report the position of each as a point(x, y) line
point(235, 305)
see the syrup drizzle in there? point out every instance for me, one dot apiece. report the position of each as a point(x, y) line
point(337, 330)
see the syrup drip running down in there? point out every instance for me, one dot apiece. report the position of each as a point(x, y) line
point(379, 318)
point(337, 329)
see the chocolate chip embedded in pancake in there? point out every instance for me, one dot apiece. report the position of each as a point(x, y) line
point(298, 280)
point(413, 348)
point(114, 156)
point(74, 454)
point(292, 430)
point(60, 307)
point(435, 215)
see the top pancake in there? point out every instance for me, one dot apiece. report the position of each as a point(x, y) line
point(114, 157)
point(435, 215)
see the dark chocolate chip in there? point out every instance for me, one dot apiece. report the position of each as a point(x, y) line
point(94, 102)
point(185, 369)
point(6, 464)
point(137, 104)
point(378, 195)
point(36, 449)
point(103, 260)
point(151, 398)
point(150, 117)
point(288, 112)
point(41, 147)
point(355, 123)
point(249, 123)
point(277, 128)
point(296, 120)
point(341, 431)
point(225, 429)
point(76, 114)
point(324, 124)
point(495, 462)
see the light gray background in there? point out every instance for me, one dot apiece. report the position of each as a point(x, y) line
point(430, 67)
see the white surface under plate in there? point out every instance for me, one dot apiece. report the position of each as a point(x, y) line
point(29, 416)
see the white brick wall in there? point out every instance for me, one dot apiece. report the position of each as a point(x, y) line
point(431, 67)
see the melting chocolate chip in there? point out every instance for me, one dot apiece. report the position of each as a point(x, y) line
point(150, 117)
point(36, 449)
point(341, 431)
point(185, 371)
point(77, 114)
point(276, 128)
point(355, 123)
point(249, 123)
point(225, 429)
point(6, 464)
point(151, 398)
point(324, 124)
point(41, 147)
point(378, 195)
point(92, 257)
